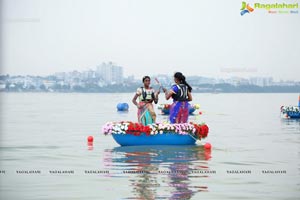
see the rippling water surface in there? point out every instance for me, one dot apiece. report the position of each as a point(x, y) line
point(255, 153)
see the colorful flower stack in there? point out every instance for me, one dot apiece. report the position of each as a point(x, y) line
point(198, 131)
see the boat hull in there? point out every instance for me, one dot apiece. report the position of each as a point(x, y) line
point(159, 139)
point(293, 115)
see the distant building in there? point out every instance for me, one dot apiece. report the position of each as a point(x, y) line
point(237, 81)
point(261, 81)
point(198, 80)
point(49, 84)
point(89, 74)
point(2, 85)
point(75, 74)
point(110, 73)
point(130, 80)
point(60, 75)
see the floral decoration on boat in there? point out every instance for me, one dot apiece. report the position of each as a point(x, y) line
point(199, 131)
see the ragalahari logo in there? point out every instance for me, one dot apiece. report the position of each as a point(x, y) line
point(246, 8)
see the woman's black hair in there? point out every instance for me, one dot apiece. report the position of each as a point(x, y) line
point(145, 78)
point(181, 79)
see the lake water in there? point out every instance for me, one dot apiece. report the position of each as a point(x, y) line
point(255, 154)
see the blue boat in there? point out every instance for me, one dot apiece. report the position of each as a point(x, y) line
point(159, 139)
point(137, 134)
point(293, 115)
point(292, 112)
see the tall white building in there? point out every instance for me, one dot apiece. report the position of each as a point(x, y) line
point(261, 81)
point(110, 73)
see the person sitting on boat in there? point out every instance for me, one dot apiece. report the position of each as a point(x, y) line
point(181, 94)
point(146, 95)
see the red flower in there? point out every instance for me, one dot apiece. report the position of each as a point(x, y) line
point(143, 129)
point(137, 129)
point(138, 126)
point(201, 130)
point(130, 127)
point(205, 130)
point(146, 130)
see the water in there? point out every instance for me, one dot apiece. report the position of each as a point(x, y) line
point(48, 131)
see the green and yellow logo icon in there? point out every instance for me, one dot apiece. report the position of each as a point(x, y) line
point(246, 8)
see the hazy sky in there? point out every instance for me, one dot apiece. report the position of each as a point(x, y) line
point(41, 37)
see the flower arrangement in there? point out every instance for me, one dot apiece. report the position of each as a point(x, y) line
point(196, 106)
point(198, 131)
point(286, 109)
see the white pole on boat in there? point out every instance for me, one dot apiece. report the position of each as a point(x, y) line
point(192, 136)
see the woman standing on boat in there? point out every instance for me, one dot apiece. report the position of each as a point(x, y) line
point(146, 95)
point(181, 94)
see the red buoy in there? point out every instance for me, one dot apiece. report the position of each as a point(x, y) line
point(200, 113)
point(90, 139)
point(207, 146)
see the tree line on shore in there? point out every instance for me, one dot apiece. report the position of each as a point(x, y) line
point(127, 88)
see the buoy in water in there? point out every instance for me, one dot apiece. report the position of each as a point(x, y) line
point(90, 139)
point(207, 146)
point(122, 107)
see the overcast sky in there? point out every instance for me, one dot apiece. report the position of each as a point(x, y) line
point(149, 37)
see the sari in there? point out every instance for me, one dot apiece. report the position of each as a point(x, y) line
point(146, 114)
point(179, 112)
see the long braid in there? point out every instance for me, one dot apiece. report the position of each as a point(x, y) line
point(189, 87)
point(184, 82)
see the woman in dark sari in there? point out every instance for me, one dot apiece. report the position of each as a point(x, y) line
point(181, 94)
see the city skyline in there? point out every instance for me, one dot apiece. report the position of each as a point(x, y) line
point(109, 77)
point(44, 37)
point(110, 73)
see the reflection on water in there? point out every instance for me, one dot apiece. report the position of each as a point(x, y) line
point(290, 125)
point(148, 168)
point(246, 132)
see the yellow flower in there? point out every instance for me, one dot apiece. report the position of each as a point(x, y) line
point(196, 106)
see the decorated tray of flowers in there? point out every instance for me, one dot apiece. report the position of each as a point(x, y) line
point(165, 108)
point(128, 133)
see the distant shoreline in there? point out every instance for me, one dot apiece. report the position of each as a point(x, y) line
point(123, 88)
point(57, 92)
